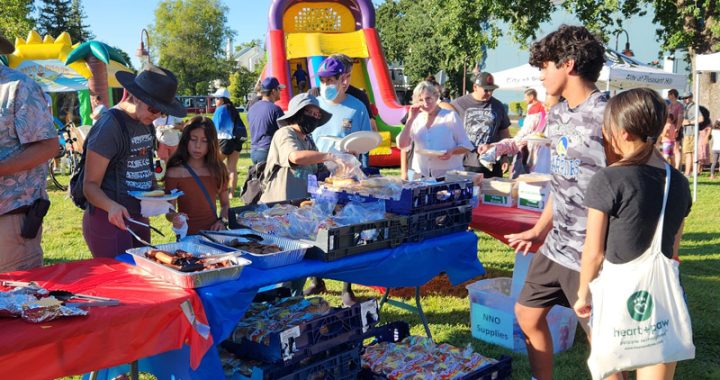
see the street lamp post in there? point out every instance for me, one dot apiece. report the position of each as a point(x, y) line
point(142, 53)
point(628, 52)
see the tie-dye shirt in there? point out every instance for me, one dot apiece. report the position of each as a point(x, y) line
point(24, 119)
point(576, 155)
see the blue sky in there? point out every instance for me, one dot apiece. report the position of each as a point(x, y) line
point(119, 23)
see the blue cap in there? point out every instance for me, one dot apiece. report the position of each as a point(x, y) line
point(330, 67)
point(270, 83)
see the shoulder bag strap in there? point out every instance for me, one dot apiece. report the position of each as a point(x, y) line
point(202, 188)
point(657, 239)
point(125, 147)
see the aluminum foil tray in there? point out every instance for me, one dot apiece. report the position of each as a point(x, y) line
point(292, 251)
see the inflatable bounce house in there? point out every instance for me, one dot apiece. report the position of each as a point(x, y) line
point(304, 32)
point(58, 65)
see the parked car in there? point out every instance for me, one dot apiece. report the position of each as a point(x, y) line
point(198, 104)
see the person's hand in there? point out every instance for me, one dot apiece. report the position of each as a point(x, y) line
point(413, 112)
point(521, 144)
point(523, 241)
point(446, 156)
point(218, 226)
point(117, 215)
point(583, 307)
point(179, 219)
point(483, 148)
point(404, 176)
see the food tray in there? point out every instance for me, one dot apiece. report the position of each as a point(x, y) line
point(292, 252)
point(397, 331)
point(341, 363)
point(438, 222)
point(296, 343)
point(417, 199)
point(191, 279)
point(338, 242)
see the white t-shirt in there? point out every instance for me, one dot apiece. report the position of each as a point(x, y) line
point(446, 133)
point(165, 130)
point(715, 133)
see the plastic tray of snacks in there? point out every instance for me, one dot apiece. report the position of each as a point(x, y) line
point(291, 251)
point(189, 280)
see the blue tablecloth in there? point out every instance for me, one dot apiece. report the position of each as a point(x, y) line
point(411, 264)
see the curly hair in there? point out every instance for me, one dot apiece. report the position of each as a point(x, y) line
point(571, 43)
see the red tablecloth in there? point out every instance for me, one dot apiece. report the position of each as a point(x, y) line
point(149, 321)
point(499, 221)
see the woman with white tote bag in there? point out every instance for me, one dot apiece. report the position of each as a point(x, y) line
point(629, 283)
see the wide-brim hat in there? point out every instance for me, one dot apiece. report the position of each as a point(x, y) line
point(6, 47)
point(155, 87)
point(297, 103)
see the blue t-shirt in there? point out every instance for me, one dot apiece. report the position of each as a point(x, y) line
point(263, 123)
point(223, 123)
point(347, 117)
point(300, 75)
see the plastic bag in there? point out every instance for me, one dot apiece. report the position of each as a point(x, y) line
point(356, 213)
point(346, 166)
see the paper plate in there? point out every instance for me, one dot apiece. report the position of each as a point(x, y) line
point(430, 152)
point(360, 142)
point(538, 140)
point(167, 197)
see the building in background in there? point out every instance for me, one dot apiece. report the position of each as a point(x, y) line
point(250, 57)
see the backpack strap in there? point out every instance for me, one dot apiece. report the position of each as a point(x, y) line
point(202, 188)
point(124, 147)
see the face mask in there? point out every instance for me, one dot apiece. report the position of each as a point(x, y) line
point(329, 92)
point(308, 124)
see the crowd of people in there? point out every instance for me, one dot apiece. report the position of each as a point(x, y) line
point(608, 161)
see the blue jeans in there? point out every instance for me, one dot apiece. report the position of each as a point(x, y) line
point(258, 155)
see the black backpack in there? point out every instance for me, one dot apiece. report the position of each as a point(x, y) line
point(75, 190)
point(254, 184)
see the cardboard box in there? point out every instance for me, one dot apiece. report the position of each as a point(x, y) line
point(492, 317)
point(498, 200)
point(533, 192)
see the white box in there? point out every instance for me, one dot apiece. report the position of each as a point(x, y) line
point(533, 196)
point(498, 200)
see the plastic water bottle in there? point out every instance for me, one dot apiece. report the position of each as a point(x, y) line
point(475, 201)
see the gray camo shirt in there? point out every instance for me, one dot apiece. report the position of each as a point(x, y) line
point(576, 155)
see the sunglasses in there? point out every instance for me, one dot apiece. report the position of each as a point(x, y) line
point(154, 110)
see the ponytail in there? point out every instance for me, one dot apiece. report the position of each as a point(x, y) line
point(640, 156)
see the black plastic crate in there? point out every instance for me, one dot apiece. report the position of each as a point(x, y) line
point(420, 199)
point(296, 343)
point(438, 222)
point(397, 331)
point(335, 243)
point(340, 363)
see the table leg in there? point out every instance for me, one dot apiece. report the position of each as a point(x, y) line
point(417, 309)
point(134, 372)
point(384, 298)
point(93, 375)
point(421, 313)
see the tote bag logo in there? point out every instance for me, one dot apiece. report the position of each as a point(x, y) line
point(640, 305)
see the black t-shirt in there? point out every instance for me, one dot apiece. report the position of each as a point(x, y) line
point(632, 197)
point(482, 121)
point(354, 91)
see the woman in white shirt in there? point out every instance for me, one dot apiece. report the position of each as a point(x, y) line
point(438, 135)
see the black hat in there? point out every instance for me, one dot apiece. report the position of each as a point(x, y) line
point(6, 47)
point(155, 87)
point(485, 80)
point(297, 103)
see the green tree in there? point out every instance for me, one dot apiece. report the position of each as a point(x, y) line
point(16, 19)
point(57, 16)
point(241, 84)
point(189, 36)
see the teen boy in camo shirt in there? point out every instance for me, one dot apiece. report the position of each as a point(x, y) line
point(570, 60)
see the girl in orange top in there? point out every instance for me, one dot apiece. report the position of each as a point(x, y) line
point(199, 152)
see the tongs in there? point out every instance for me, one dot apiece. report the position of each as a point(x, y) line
point(246, 235)
point(129, 219)
point(64, 295)
point(138, 238)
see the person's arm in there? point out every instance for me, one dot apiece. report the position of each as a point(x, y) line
point(224, 196)
point(95, 168)
point(460, 138)
point(523, 241)
point(592, 259)
point(34, 154)
point(404, 139)
point(676, 242)
point(309, 157)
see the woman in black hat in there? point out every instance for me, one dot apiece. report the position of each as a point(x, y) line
point(119, 159)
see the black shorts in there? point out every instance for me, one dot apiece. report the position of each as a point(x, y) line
point(548, 284)
point(228, 146)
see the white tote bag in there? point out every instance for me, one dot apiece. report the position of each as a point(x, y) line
point(639, 315)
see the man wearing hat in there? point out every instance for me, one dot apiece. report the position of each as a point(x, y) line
point(28, 139)
point(119, 160)
point(348, 113)
point(263, 119)
point(485, 121)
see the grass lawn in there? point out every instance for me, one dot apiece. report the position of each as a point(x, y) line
point(448, 309)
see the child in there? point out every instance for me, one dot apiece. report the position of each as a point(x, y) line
point(198, 153)
point(574, 127)
point(668, 138)
point(625, 199)
point(715, 147)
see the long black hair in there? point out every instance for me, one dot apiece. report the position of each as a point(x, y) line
point(234, 115)
point(212, 159)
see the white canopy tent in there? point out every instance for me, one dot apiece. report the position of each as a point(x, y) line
point(619, 73)
point(703, 63)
